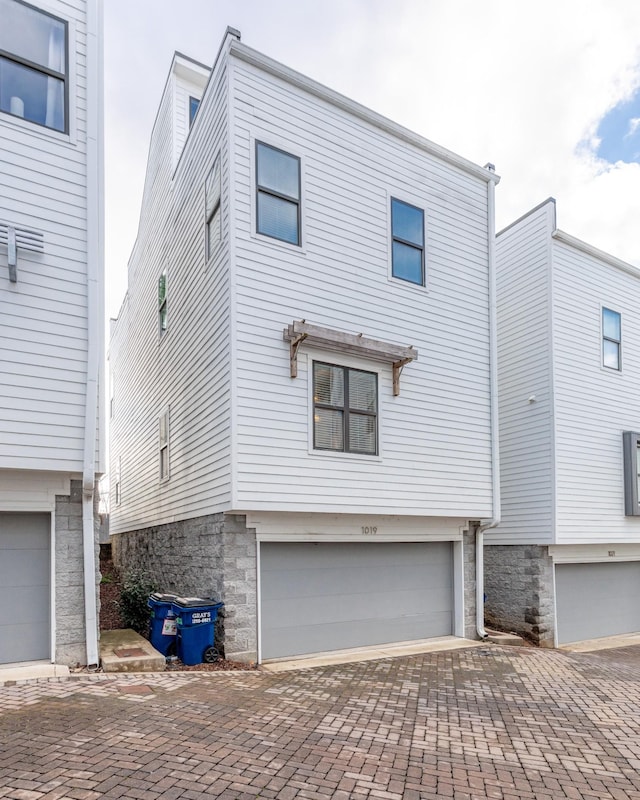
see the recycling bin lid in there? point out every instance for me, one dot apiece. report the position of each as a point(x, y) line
point(195, 602)
point(159, 597)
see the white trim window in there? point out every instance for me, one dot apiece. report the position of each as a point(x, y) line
point(611, 339)
point(212, 200)
point(34, 73)
point(163, 318)
point(345, 409)
point(117, 485)
point(278, 191)
point(163, 445)
point(407, 242)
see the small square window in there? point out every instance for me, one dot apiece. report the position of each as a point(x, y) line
point(33, 65)
point(407, 245)
point(278, 194)
point(345, 409)
point(611, 339)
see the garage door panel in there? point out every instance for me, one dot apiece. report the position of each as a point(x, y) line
point(339, 595)
point(24, 587)
point(595, 600)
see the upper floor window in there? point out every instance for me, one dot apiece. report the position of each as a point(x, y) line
point(33, 65)
point(193, 107)
point(611, 339)
point(345, 409)
point(212, 195)
point(162, 303)
point(407, 246)
point(278, 194)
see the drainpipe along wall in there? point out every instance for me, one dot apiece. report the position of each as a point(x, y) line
point(486, 524)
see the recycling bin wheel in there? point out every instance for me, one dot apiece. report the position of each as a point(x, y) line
point(210, 655)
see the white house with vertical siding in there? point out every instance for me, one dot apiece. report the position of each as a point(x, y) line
point(51, 341)
point(564, 564)
point(303, 410)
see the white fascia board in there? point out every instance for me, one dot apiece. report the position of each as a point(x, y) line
point(590, 250)
point(257, 59)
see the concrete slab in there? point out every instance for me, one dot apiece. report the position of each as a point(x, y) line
point(604, 643)
point(30, 670)
point(127, 651)
point(356, 654)
point(500, 637)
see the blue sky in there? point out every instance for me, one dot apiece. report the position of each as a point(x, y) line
point(619, 132)
point(523, 85)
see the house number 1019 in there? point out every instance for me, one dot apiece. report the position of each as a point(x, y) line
point(369, 530)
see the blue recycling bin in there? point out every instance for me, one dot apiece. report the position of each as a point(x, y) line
point(196, 618)
point(163, 628)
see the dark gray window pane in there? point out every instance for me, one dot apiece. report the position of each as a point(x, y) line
point(328, 429)
point(328, 385)
point(278, 171)
point(407, 262)
point(611, 324)
point(362, 390)
point(26, 93)
point(362, 433)
point(32, 35)
point(611, 354)
point(408, 222)
point(278, 218)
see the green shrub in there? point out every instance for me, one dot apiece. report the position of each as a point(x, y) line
point(136, 588)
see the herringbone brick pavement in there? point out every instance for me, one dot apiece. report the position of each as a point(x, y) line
point(489, 722)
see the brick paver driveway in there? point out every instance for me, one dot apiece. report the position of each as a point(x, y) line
point(489, 722)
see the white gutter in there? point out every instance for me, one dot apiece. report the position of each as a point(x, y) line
point(486, 524)
point(95, 315)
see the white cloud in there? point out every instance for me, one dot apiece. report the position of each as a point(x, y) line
point(523, 85)
point(634, 124)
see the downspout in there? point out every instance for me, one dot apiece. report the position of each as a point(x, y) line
point(95, 317)
point(486, 524)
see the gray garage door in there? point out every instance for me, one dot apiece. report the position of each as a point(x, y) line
point(331, 596)
point(594, 600)
point(24, 587)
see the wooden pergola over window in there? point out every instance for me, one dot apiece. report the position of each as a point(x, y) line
point(355, 344)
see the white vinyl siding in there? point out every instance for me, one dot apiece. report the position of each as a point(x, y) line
point(594, 404)
point(434, 437)
point(188, 368)
point(43, 317)
point(524, 380)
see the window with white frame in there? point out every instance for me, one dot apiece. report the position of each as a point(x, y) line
point(278, 194)
point(163, 443)
point(163, 319)
point(117, 495)
point(407, 242)
point(194, 104)
point(631, 452)
point(611, 339)
point(112, 394)
point(212, 199)
point(34, 72)
point(345, 409)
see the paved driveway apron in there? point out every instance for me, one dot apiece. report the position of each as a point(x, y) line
point(489, 722)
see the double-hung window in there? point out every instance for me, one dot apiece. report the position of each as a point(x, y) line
point(345, 409)
point(33, 65)
point(611, 339)
point(164, 445)
point(631, 451)
point(163, 319)
point(278, 194)
point(212, 196)
point(407, 242)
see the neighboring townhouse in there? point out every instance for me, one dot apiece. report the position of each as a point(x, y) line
point(564, 564)
point(303, 414)
point(51, 328)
